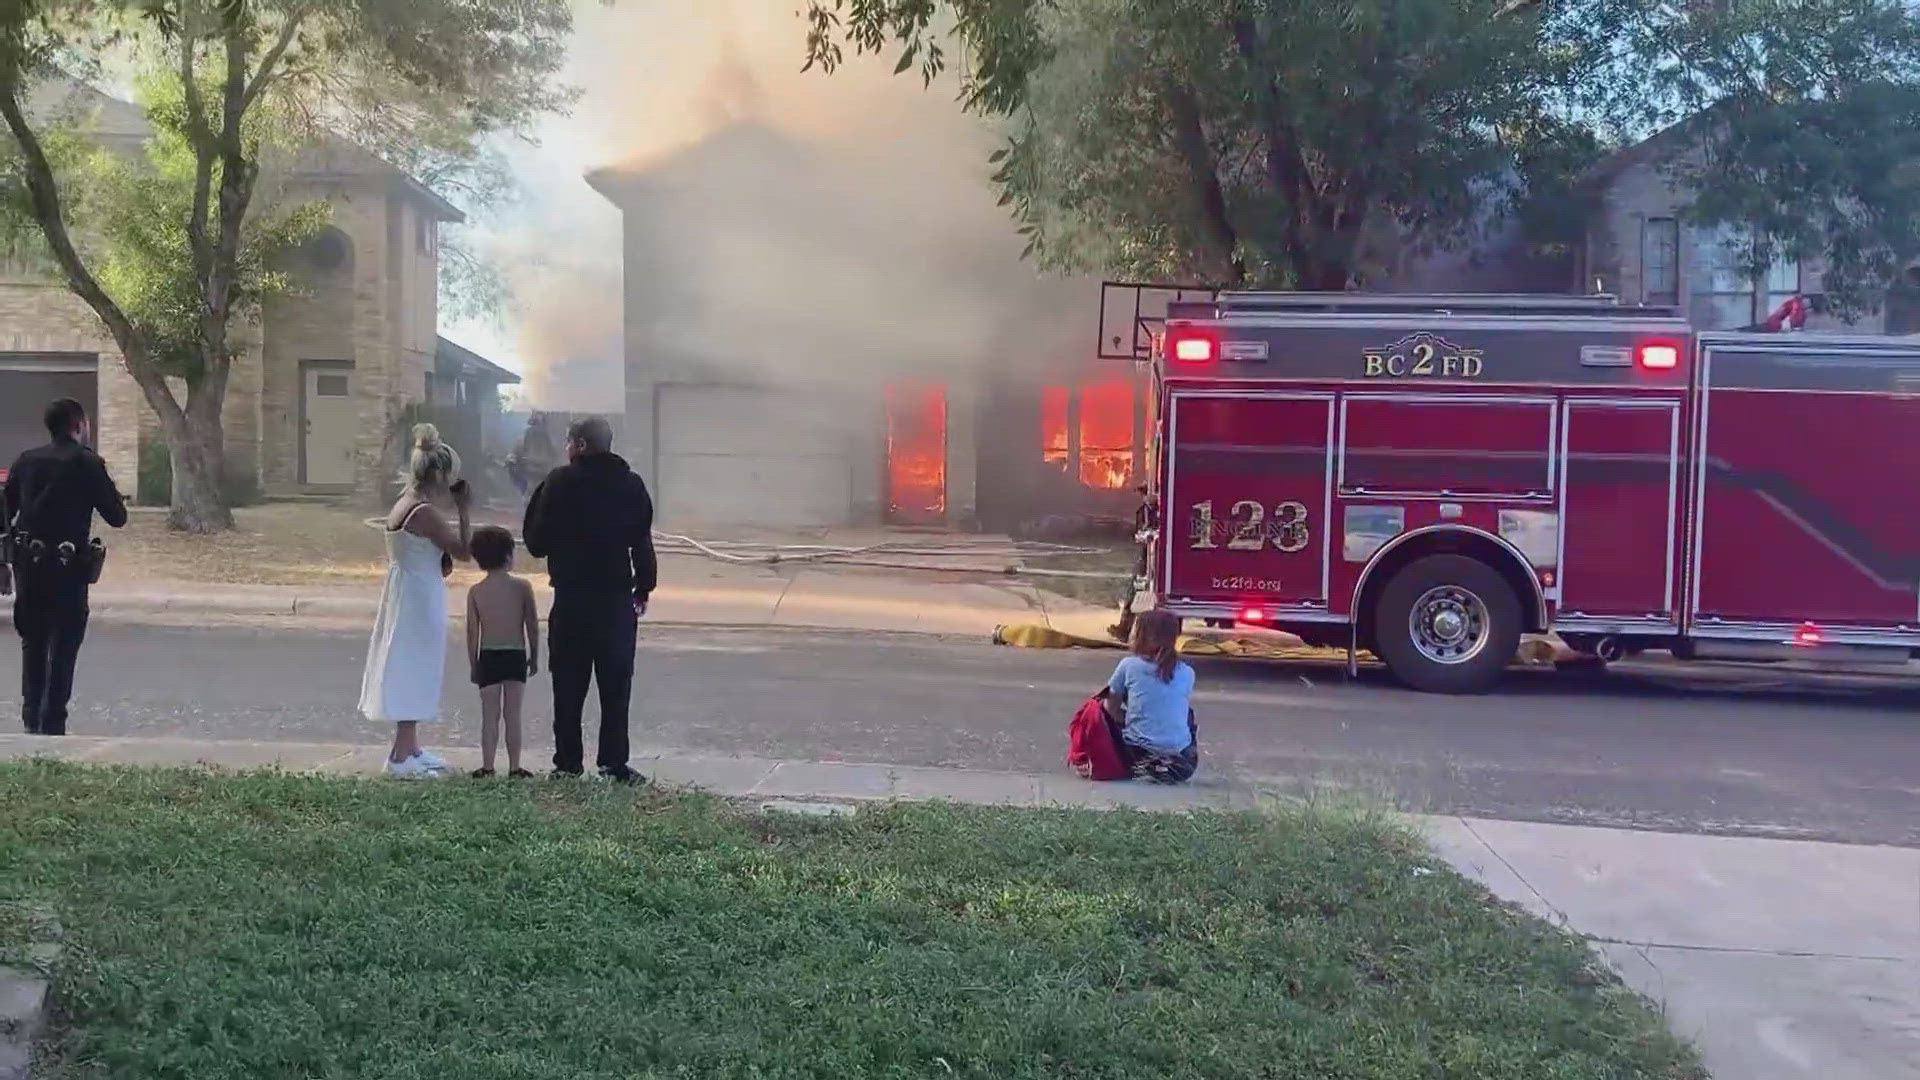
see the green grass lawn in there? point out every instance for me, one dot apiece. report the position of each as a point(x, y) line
point(265, 926)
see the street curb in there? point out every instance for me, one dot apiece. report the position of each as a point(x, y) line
point(325, 610)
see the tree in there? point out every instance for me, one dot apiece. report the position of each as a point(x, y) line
point(174, 258)
point(1240, 142)
point(1282, 143)
point(1805, 132)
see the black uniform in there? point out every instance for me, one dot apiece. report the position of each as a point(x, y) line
point(51, 496)
point(592, 521)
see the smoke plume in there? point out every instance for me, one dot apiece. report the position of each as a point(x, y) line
point(784, 225)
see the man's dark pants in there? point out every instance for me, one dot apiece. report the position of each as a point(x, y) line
point(591, 638)
point(50, 612)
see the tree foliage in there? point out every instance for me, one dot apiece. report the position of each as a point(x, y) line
point(1287, 144)
point(173, 246)
point(137, 208)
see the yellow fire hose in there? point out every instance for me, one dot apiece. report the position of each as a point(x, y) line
point(1533, 650)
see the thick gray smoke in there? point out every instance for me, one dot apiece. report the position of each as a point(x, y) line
point(784, 225)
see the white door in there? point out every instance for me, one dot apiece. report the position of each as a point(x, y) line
point(330, 417)
point(752, 456)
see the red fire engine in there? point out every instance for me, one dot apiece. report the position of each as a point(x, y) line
point(1430, 477)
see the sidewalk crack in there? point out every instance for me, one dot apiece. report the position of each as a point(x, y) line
point(1559, 916)
point(786, 587)
point(1736, 950)
point(754, 788)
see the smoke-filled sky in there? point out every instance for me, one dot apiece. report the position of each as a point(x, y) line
point(896, 221)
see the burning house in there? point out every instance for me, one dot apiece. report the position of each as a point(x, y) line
point(825, 333)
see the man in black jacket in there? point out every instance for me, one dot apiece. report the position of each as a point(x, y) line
point(46, 519)
point(592, 520)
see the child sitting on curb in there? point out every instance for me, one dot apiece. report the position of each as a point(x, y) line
point(1150, 703)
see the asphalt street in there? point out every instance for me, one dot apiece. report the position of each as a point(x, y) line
point(1742, 751)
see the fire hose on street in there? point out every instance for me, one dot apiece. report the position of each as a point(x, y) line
point(1006, 556)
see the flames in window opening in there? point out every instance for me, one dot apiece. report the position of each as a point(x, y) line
point(1106, 434)
point(1054, 448)
point(1105, 429)
point(917, 452)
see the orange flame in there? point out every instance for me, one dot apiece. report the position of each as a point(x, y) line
point(1106, 434)
point(1053, 425)
point(917, 452)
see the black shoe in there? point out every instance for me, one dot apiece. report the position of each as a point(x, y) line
point(622, 774)
point(519, 774)
point(566, 774)
point(481, 774)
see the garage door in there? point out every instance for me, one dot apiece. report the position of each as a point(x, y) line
point(28, 382)
point(732, 455)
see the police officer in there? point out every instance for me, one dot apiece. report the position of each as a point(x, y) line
point(46, 518)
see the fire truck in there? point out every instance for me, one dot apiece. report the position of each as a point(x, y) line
point(1428, 478)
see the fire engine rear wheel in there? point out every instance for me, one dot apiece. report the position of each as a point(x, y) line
point(1447, 624)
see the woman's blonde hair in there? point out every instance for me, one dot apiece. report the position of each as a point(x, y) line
point(432, 461)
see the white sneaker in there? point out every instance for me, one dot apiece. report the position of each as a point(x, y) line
point(414, 768)
point(433, 760)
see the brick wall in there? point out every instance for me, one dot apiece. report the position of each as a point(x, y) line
point(377, 309)
point(40, 317)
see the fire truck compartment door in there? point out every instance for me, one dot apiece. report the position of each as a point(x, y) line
point(1806, 477)
point(1249, 490)
point(1619, 505)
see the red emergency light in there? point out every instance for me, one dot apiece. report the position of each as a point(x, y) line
point(1189, 344)
point(1808, 636)
point(1253, 616)
point(1657, 355)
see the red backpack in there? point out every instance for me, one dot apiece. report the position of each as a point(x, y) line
point(1090, 748)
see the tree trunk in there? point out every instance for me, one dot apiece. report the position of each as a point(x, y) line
point(198, 449)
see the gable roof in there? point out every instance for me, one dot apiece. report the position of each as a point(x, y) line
point(746, 142)
point(1663, 145)
point(116, 121)
point(465, 362)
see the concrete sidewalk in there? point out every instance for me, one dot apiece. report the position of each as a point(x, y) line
point(696, 592)
point(1783, 960)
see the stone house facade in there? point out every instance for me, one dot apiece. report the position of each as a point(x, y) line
point(320, 377)
point(1641, 247)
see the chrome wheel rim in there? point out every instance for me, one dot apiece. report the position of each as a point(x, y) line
point(1449, 625)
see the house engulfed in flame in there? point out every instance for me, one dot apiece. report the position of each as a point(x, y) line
point(800, 355)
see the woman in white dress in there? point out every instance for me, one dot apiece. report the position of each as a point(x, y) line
point(407, 658)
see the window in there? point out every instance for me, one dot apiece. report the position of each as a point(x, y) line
point(1101, 414)
point(24, 256)
point(1783, 281)
point(330, 386)
point(1660, 261)
point(1106, 434)
point(1054, 446)
point(1724, 294)
point(429, 398)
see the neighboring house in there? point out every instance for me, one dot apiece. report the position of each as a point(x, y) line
point(319, 381)
point(463, 399)
point(1641, 248)
point(802, 353)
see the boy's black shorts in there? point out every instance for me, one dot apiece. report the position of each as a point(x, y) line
point(497, 666)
